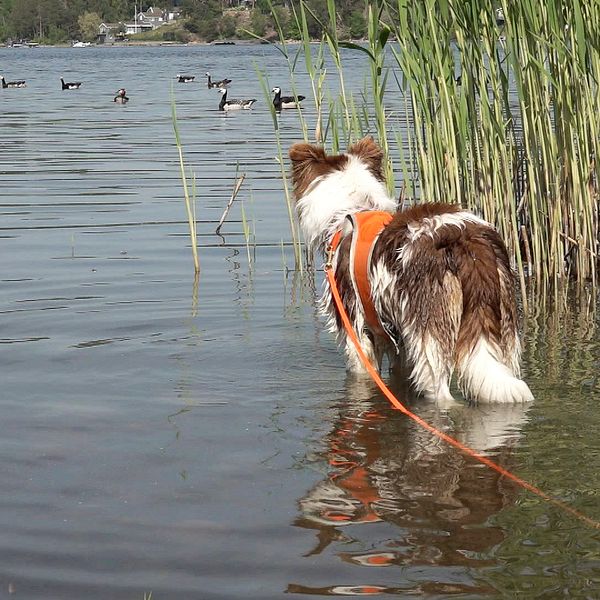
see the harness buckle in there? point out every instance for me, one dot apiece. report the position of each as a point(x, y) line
point(329, 259)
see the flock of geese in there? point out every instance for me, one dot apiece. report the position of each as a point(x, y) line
point(279, 102)
point(120, 98)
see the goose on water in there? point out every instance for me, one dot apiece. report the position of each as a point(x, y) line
point(185, 78)
point(12, 84)
point(70, 85)
point(217, 84)
point(280, 101)
point(234, 104)
point(121, 97)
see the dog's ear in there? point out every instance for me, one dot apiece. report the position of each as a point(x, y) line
point(301, 153)
point(308, 162)
point(368, 151)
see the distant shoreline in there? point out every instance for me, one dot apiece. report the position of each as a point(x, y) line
point(155, 44)
point(142, 43)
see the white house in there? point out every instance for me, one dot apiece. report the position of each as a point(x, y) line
point(108, 32)
point(151, 19)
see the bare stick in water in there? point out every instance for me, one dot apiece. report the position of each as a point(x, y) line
point(236, 189)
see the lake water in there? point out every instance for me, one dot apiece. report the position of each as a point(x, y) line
point(202, 441)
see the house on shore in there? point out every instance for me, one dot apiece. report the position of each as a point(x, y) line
point(151, 19)
point(143, 21)
point(109, 33)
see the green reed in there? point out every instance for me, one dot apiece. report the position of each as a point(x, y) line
point(501, 118)
point(190, 199)
point(294, 229)
point(524, 112)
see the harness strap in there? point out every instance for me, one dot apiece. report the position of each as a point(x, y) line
point(366, 228)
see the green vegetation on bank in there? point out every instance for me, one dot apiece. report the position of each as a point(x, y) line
point(58, 21)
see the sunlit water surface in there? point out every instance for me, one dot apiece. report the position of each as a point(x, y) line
point(202, 441)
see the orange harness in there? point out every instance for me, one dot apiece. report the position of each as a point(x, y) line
point(366, 228)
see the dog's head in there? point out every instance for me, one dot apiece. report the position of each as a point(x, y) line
point(328, 188)
point(310, 162)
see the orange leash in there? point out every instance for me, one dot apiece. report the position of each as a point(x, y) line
point(440, 434)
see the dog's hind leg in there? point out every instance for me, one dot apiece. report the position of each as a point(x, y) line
point(430, 324)
point(372, 347)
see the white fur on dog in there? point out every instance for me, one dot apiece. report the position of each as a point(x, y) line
point(332, 197)
point(486, 378)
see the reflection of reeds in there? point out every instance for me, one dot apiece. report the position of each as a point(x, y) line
point(562, 341)
point(501, 118)
point(190, 200)
point(249, 234)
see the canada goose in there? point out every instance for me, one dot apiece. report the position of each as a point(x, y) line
point(12, 84)
point(185, 78)
point(280, 101)
point(234, 104)
point(121, 97)
point(70, 85)
point(217, 84)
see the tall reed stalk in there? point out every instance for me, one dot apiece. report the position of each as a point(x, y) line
point(294, 229)
point(190, 199)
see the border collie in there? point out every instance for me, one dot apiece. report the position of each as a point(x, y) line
point(440, 279)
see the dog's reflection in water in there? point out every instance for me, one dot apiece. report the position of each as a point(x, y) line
point(383, 467)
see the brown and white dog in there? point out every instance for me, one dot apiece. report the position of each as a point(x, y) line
point(440, 279)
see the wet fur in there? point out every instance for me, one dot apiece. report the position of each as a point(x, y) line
point(440, 279)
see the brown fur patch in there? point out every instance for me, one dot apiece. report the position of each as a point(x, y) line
point(420, 212)
point(473, 255)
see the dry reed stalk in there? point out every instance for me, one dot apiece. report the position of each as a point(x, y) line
point(236, 189)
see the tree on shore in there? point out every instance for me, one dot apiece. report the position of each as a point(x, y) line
point(89, 23)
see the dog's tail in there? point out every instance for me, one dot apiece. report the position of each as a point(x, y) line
point(488, 347)
point(459, 310)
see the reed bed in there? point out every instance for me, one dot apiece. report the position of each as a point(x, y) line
point(501, 116)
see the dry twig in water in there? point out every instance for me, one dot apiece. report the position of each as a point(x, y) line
point(236, 189)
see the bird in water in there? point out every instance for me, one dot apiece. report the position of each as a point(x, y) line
point(121, 97)
point(234, 104)
point(12, 84)
point(280, 101)
point(185, 78)
point(70, 85)
point(217, 84)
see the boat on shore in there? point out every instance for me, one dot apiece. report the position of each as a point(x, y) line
point(81, 44)
point(21, 44)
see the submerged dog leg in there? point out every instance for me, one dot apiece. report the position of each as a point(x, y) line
point(373, 348)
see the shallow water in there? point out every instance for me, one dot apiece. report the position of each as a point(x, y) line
point(204, 441)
